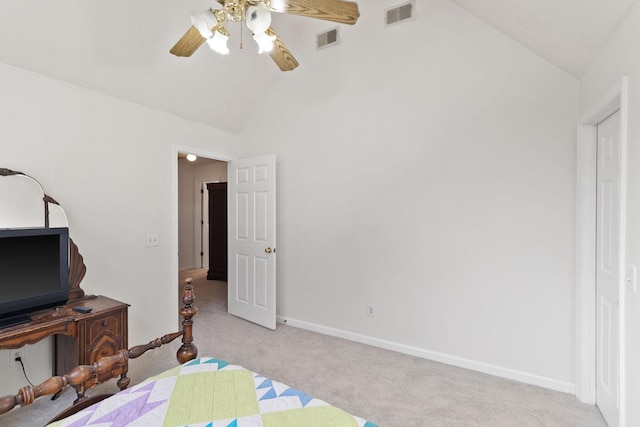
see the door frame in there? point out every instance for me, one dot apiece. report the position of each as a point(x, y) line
point(616, 98)
point(175, 149)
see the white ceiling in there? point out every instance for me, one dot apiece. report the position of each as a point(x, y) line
point(121, 47)
point(568, 33)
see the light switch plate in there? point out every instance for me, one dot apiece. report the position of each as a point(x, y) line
point(152, 240)
point(630, 277)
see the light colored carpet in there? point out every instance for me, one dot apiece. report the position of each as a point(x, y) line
point(385, 387)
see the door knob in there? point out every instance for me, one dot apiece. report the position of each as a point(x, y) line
point(268, 250)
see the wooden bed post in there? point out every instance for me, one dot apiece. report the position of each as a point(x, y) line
point(188, 350)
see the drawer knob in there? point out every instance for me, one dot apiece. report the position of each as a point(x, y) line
point(105, 323)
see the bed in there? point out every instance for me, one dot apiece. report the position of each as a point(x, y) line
point(202, 392)
point(211, 392)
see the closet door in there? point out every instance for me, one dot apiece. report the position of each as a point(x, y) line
point(217, 231)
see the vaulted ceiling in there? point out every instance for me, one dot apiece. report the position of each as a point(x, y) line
point(568, 33)
point(120, 47)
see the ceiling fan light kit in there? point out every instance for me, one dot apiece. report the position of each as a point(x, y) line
point(258, 20)
point(219, 41)
point(204, 22)
point(210, 26)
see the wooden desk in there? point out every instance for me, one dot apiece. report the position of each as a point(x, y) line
point(80, 339)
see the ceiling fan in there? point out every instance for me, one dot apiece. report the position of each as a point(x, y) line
point(210, 26)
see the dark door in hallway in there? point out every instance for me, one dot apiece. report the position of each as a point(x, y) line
point(217, 231)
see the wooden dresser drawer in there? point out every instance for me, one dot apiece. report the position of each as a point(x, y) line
point(108, 324)
point(105, 346)
point(104, 337)
point(100, 333)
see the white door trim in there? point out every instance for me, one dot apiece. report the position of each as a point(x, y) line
point(615, 99)
point(175, 149)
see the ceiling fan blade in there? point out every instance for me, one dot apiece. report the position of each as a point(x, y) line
point(280, 54)
point(189, 43)
point(344, 12)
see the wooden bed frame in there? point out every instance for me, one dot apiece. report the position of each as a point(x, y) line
point(85, 377)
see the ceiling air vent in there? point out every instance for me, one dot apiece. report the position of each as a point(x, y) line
point(400, 13)
point(328, 38)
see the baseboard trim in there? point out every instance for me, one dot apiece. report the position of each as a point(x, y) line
point(460, 362)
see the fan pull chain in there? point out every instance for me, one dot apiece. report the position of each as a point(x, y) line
point(241, 33)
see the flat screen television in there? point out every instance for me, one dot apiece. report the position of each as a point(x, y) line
point(34, 272)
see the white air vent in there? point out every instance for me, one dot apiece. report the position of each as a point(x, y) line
point(400, 13)
point(328, 38)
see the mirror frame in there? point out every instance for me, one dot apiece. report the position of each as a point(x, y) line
point(77, 268)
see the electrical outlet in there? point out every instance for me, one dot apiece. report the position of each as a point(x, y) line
point(371, 310)
point(13, 355)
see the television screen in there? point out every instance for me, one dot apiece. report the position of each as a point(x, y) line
point(34, 269)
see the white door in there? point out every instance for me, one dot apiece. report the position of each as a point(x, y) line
point(252, 239)
point(609, 268)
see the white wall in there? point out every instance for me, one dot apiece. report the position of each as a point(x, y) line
point(186, 207)
point(190, 179)
point(109, 163)
point(621, 58)
point(429, 169)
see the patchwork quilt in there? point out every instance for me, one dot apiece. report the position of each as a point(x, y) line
point(208, 392)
